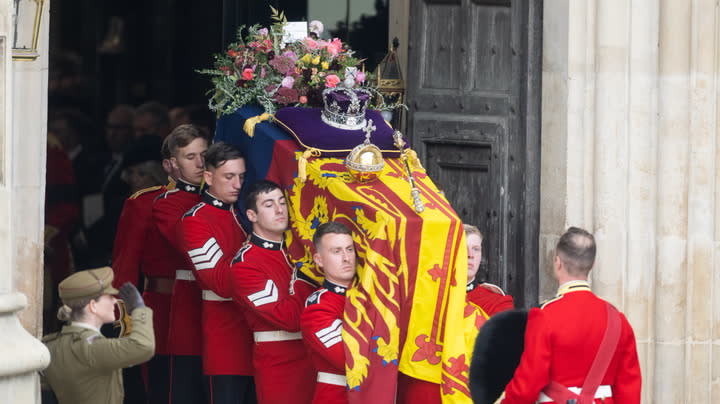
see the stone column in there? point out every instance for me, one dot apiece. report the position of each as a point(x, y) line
point(697, 296)
point(629, 151)
point(23, 110)
point(566, 130)
point(672, 177)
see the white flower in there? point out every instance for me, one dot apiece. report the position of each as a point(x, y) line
point(350, 74)
point(316, 27)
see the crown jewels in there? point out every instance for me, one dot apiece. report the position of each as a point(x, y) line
point(365, 161)
point(345, 107)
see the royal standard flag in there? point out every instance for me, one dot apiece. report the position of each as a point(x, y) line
point(407, 310)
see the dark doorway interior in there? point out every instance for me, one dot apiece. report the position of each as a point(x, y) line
point(105, 53)
point(130, 52)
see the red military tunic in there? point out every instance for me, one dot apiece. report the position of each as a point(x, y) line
point(264, 286)
point(138, 248)
point(184, 336)
point(211, 235)
point(561, 340)
point(491, 301)
point(321, 324)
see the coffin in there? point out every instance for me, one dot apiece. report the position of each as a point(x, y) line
point(407, 311)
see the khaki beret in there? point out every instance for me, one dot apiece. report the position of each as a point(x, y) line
point(87, 284)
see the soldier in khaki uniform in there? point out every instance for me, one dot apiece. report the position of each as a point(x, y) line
point(86, 367)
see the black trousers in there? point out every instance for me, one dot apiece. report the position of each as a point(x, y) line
point(134, 385)
point(158, 390)
point(187, 384)
point(231, 389)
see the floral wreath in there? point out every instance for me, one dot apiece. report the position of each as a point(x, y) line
point(262, 67)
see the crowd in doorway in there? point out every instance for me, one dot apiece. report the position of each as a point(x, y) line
point(92, 167)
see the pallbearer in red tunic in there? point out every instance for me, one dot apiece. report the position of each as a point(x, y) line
point(135, 251)
point(210, 236)
point(489, 297)
point(273, 294)
point(131, 239)
point(321, 322)
point(563, 339)
point(132, 245)
point(187, 148)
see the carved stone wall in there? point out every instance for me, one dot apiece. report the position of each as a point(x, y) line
point(629, 151)
point(23, 115)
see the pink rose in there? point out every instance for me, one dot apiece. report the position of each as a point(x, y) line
point(331, 81)
point(303, 99)
point(334, 47)
point(288, 82)
point(247, 74)
point(311, 43)
point(360, 77)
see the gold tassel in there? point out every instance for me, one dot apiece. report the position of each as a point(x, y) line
point(302, 162)
point(414, 160)
point(250, 123)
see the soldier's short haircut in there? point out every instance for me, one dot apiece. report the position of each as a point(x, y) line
point(470, 229)
point(329, 228)
point(165, 150)
point(218, 153)
point(260, 187)
point(576, 248)
point(180, 137)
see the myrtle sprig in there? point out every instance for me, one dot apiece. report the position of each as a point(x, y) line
point(277, 16)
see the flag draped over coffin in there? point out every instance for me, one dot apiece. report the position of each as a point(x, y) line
point(407, 311)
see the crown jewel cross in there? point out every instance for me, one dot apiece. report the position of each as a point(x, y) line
point(368, 129)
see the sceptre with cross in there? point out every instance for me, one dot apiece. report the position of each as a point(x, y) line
point(414, 191)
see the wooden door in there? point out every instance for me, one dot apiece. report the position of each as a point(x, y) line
point(474, 96)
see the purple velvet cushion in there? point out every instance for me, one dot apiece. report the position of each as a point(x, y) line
point(308, 128)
